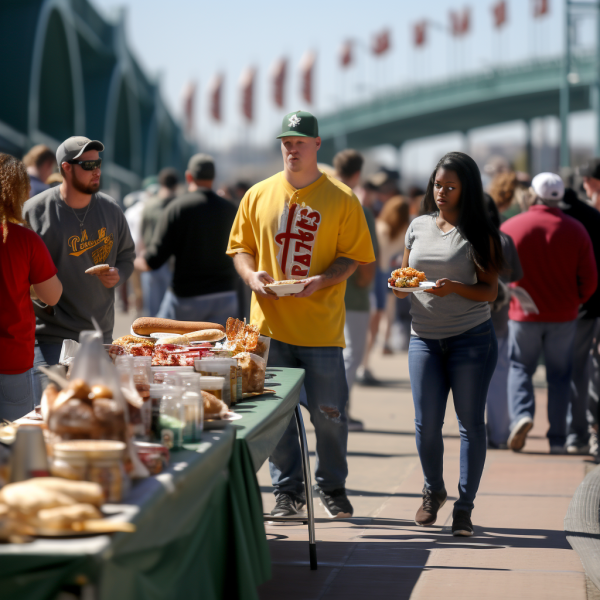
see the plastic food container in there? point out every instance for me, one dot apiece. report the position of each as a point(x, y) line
point(155, 457)
point(100, 461)
point(227, 368)
point(213, 385)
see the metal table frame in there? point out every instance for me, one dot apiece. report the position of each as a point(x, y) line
point(310, 518)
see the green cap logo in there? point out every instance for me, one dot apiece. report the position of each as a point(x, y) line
point(299, 123)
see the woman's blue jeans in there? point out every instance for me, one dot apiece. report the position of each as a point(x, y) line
point(464, 364)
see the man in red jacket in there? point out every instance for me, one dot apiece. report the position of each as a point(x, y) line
point(559, 273)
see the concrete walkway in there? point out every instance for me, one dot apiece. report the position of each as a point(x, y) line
point(519, 549)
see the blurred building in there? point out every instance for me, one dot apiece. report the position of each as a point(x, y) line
point(65, 70)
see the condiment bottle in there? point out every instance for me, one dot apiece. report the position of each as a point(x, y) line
point(193, 407)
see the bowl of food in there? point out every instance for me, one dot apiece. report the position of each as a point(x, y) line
point(287, 287)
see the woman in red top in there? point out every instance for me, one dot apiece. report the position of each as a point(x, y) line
point(24, 262)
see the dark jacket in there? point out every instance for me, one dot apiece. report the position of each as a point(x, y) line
point(589, 217)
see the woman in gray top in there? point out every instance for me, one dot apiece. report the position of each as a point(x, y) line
point(453, 345)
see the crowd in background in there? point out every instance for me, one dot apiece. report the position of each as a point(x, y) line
point(172, 280)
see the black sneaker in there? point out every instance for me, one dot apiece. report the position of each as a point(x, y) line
point(335, 503)
point(287, 506)
point(461, 523)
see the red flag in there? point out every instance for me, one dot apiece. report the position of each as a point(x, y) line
point(278, 73)
point(247, 89)
point(188, 97)
point(215, 90)
point(499, 11)
point(381, 42)
point(541, 8)
point(420, 32)
point(306, 73)
point(460, 22)
point(346, 54)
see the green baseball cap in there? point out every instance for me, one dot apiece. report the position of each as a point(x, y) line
point(299, 123)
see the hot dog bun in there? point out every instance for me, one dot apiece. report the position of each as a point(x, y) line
point(205, 335)
point(148, 325)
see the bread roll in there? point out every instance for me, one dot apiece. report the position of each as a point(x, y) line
point(62, 518)
point(205, 335)
point(213, 407)
point(85, 492)
point(29, 499)
point(148, 325)
point(178, 340)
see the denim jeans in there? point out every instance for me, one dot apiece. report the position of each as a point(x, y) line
point(327, 397)
point(577, 415)
point(464, 364)
point(526, 342)
point(46, 355)
point(214, 308)
point(498, 419)
point(16, 395)
point(154, 287)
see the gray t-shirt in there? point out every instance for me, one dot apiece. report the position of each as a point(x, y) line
point(104, 239)
point(442, 255)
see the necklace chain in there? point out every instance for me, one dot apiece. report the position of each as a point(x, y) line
point(84, 216)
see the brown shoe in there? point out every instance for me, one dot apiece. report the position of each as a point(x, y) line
point(432, 502)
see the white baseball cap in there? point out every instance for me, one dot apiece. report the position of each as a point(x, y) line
point(548, 186)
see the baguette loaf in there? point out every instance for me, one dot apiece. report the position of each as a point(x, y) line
point(205, 335)
point(148, 325)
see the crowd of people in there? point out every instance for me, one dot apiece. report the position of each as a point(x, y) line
point(515, 273)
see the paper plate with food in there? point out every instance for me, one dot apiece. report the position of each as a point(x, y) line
point(287, 287)
point(409, 280)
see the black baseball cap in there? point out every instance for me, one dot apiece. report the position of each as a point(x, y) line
point(202, 166)
point(590, 169)
point(74, 147)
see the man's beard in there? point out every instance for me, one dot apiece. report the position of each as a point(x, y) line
point(84, 189)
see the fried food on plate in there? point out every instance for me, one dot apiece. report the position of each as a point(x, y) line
point(406, 278)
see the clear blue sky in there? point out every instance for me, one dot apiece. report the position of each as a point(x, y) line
point(187, 40)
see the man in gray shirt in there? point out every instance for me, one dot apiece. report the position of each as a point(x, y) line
point(82, 228)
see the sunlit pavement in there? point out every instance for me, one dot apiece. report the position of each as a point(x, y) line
point(519, 549)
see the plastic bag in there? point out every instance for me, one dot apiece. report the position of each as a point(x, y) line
point(108, 415)
point(253, 372)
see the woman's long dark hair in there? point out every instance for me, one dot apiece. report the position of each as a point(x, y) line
point(474, 222)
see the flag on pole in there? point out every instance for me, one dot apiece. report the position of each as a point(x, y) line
point(420, 33)
point(278, 73)
point(215, 92)
point(381, 42)
point(247, 90)
point(306, 75)
point(346, 57)
point(499, 10)
point(541, 8)
point(188, 97)
point(460, 22)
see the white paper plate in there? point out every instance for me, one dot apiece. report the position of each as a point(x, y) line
point(287, 288)
point(221, 423)
point(424, 285)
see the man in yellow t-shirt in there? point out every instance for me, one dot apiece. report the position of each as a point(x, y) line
point(302, 224)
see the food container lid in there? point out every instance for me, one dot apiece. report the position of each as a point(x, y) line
point(91, 449)
point(173, 369)
point(210, 383)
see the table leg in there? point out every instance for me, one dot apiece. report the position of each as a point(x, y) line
point(312, 543)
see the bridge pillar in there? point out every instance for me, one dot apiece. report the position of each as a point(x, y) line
point(529, 145)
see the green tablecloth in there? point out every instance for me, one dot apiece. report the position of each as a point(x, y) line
point(180, 547)
point(200, 531)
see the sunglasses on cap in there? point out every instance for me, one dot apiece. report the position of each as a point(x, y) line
point(87, 165)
